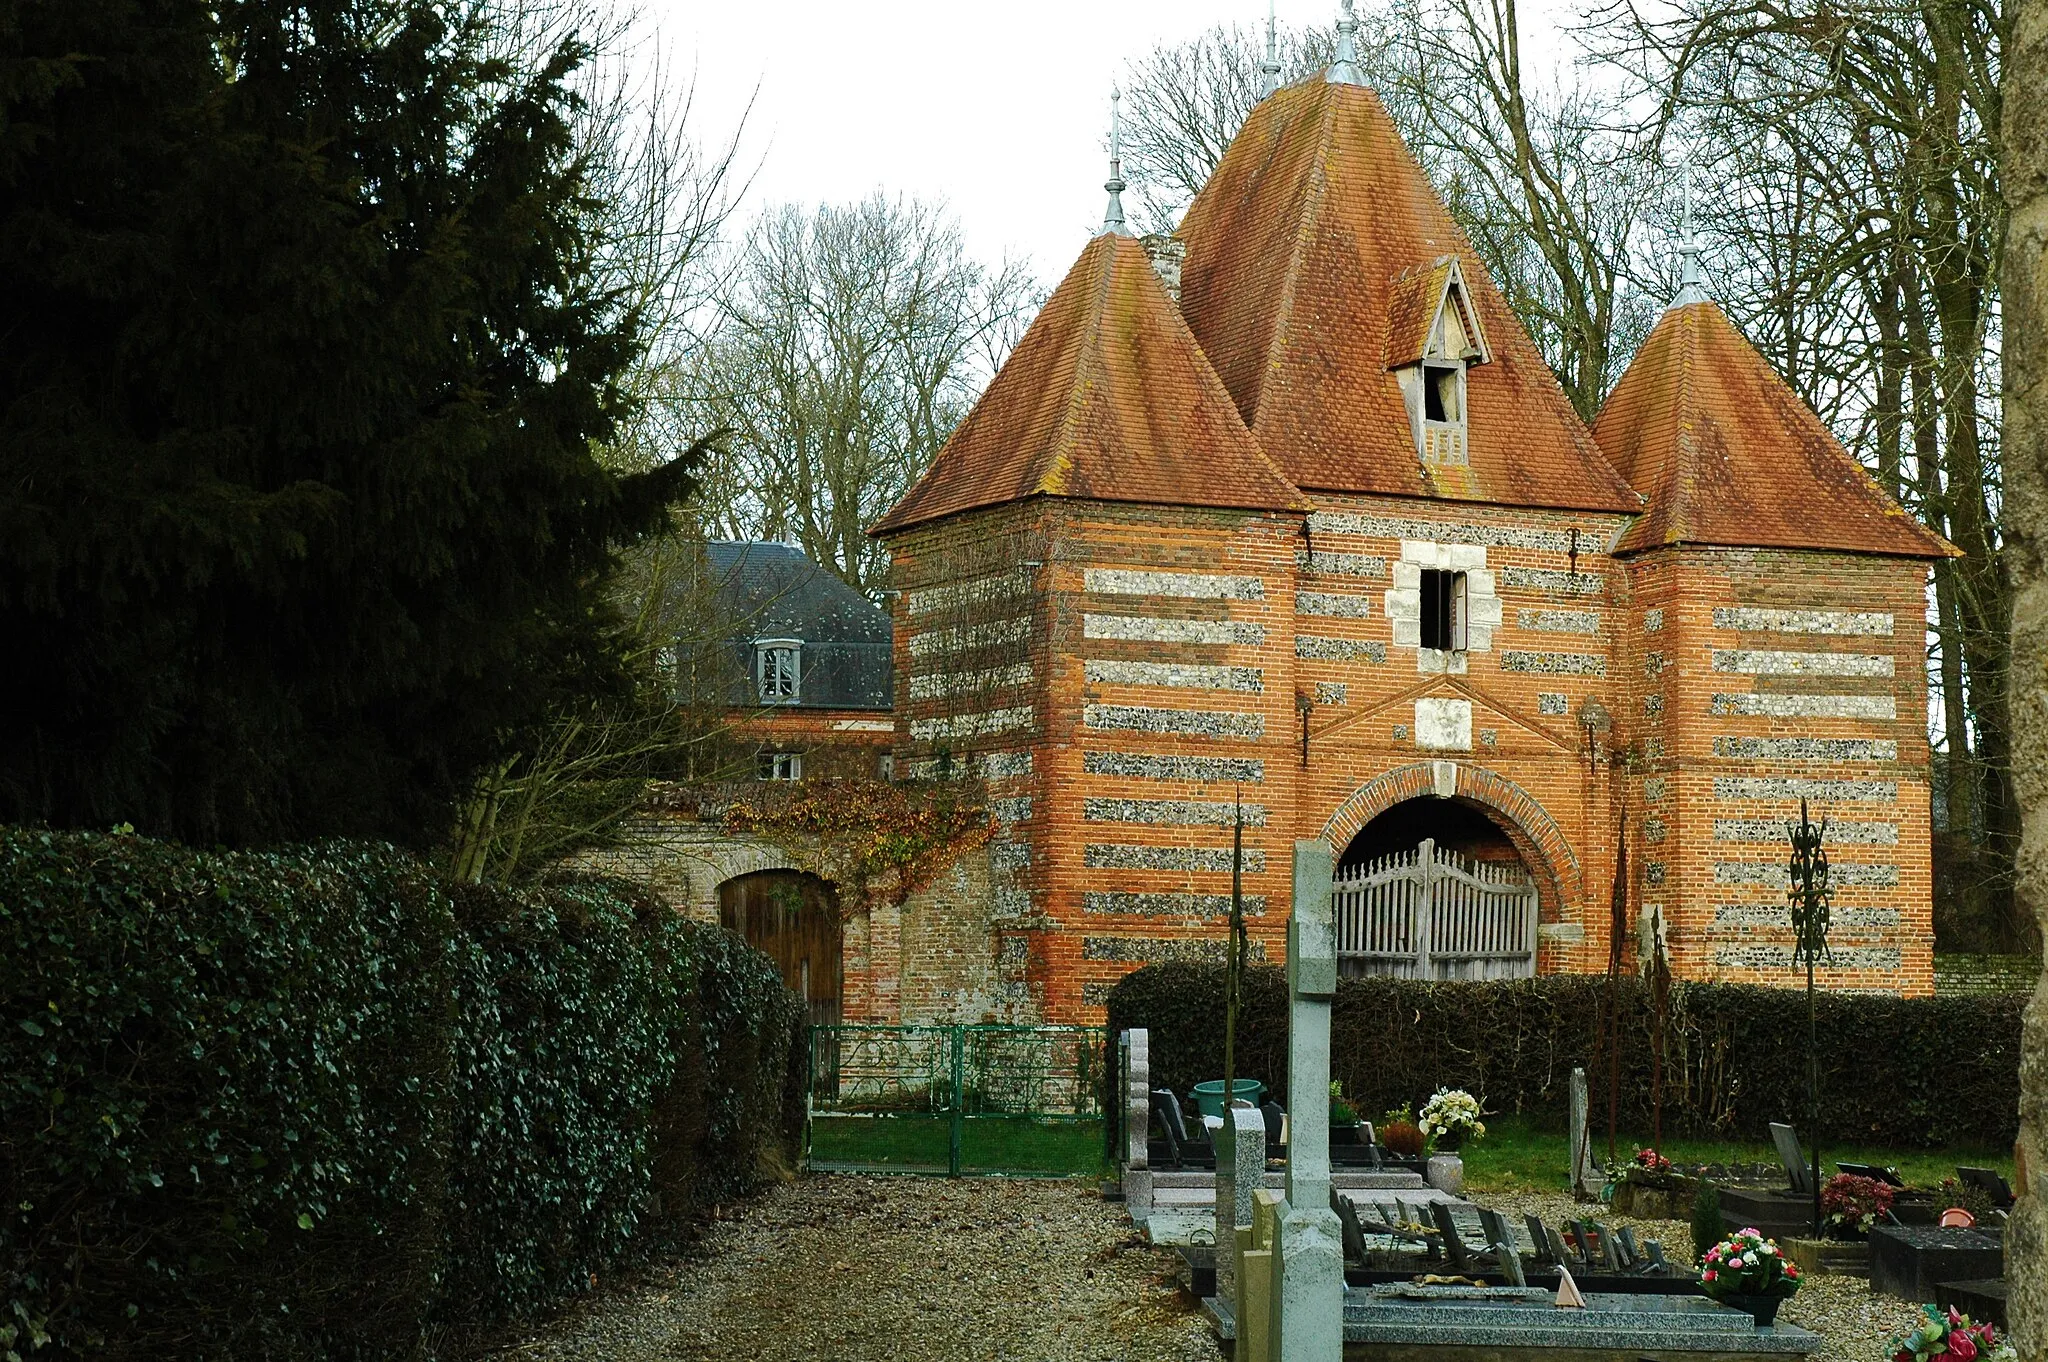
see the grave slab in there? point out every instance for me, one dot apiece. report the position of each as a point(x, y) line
point(1911, 1261)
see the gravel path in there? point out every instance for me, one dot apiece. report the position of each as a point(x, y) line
point(874, 1269)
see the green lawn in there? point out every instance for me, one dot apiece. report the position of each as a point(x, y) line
point(918, 1143)
point(1517, 1153)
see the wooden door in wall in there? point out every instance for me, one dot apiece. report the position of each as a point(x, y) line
point(1433, 914)
point(794, 919)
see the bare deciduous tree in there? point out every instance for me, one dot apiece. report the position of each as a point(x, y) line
point(850, 342)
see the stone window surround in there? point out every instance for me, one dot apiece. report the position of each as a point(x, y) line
point(1404, 602)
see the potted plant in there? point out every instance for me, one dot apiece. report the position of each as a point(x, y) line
point(1950, 1337)
point(1850, 1205)
point(1746, 1271)
point(1343, 1116)
point(1648, 1185)
point(1449, 1119)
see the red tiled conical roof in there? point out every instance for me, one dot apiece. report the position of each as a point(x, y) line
point(1107, 396)
point(1728, 454)
point(1294, 252)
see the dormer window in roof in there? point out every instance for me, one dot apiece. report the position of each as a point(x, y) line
point(778, 670)
point(1434, 337)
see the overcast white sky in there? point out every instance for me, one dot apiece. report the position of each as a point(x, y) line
point(1000, 110)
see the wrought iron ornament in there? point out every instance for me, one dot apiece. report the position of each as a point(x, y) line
point(1810, 891)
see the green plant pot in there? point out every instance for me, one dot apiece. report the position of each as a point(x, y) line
point(1209, 1096)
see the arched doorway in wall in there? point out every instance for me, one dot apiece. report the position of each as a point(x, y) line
point(794, 918)
point(1435, 889)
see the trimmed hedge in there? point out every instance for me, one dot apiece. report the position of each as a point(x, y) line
point(322, 1104)
point(1894, 1071)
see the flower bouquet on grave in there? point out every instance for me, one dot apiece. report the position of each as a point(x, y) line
point(1747, 1271)
point(1850, 1205)
point(1450, 1118)
point(1950, 1337)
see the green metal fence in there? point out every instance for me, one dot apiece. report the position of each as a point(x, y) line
point(955, 1099)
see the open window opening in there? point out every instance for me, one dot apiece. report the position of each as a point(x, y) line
point(1443, 610)
point(778, 669)
point(1443, 395)
point(780, 766)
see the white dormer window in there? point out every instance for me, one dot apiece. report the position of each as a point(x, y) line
point(778, 670)
point(1435, 339)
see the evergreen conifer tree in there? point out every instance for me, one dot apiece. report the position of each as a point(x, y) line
point(303, 381)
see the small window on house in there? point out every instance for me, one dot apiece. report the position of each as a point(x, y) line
point(885, 767)
point(781, 766)
point(778, 669)
point(1442, 393)
point(1443, 610)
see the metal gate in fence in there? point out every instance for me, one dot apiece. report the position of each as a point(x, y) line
point(936, 1098)
point(1432, 914)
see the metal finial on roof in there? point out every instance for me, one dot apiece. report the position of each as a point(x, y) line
point(1269, 69)
point(1692, 284)
point(1113, 216)
point(1344, 66)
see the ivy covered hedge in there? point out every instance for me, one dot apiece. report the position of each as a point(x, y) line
point(322, 1104)
point(1894, 1071)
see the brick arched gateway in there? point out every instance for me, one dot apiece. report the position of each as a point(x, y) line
point(1536, 836)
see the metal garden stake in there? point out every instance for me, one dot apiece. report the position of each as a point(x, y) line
point(1809, 894)
point(1233, 970)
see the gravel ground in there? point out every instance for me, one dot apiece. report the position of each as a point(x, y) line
point(1841, 1310)
point(874, 1269)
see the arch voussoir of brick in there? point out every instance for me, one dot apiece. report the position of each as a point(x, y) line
point(1534, 832)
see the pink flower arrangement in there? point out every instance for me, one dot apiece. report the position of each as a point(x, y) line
point(1950, 1337)
point(1651, 1161)
point(1747, 1264)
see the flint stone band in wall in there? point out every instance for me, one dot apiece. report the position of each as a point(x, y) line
point(1654, 663)
point(982, 723)
point(1152, 950)
point(1559, 621)
point(1316, 647)
point(1653, 788)
point(1653, 830)
point(1187, 813)
point(1010, 901)
point(1806, 706)
point(1554, 664)
point(1118, 903)
point(1883, 959)
point(1015, 809)
point(1653, 704)
point(1763, 662)
point(1333, 604)
point(1186, 586)
point(1553, 702)
point(1203, 770)
point(1009, 855)
point(991, 765)
point(1125, 856)
point(1744, 916)
point(1774, 876)
point(1808, 749)
point(1872, 623)
point(1332, 694)
point(1784, 788)
point(1653, 621)
point(1555, 582)
point(1340, 564)
point(1497, 536)
point(943, 685)
point(1187, 675)
point(1205, 723)
point(969, 637)
point(1653, 874)
point(1772, 831)
point(1145, 629)
point(972, 591)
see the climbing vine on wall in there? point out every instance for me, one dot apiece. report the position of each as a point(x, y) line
point(880, 837)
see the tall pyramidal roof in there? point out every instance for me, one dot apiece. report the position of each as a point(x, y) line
point(1728, 454)
point(1297, 253)
point(1107, 396)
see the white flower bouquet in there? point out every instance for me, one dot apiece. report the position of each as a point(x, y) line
point(1451, 1117)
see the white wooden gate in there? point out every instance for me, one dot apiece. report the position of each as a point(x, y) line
point(1431, 914)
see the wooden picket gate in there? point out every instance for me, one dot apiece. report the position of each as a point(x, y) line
point(1432, 914)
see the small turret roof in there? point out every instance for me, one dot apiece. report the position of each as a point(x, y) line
point(1728, 454)
point(1107, 396)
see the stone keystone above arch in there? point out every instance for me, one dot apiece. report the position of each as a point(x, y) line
point(1535, 833)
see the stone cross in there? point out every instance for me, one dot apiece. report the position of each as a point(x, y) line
point(1308, 1254)
point(1585, 1183)
point(1240, 1173)
point(1138, 1122)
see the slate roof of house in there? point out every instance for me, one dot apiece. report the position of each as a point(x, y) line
point(1108, 397)
point(1295, 251)
point(772, 591)
point(1728, 454)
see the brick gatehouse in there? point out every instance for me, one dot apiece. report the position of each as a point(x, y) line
point(1287, 508)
